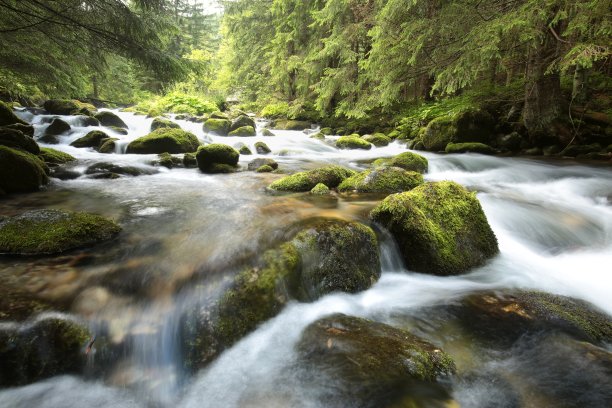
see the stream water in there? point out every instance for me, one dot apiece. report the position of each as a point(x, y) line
point(186, 233)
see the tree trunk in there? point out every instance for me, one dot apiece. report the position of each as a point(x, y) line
point(579, 88)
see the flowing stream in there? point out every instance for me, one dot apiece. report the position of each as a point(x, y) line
point(186, 233)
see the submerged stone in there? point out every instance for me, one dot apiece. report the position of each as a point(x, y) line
point(110, 168)
point(440, 228)
point(331, 176)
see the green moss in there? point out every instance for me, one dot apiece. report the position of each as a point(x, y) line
point(244, 150)
point(394, 134)
point(21, 171)
point(168, 161)
point(61, 106)
point(257, 163)
point(189, 160)
point(218, 115)
point(275, 110)
point(291, 125)
point(159, 123)
point(331, 176)
point(219, 127)
point(243, 121)
point(53, 231)
point(440, 228)
point(326, 131)
point(14, 138)
point(165, 141)
point(377, 139)
point(107, 118)
point(217, 158)
point(407, 161)
point(382, 180)
point(353, 142)
point(264, 169)
point(438, 134)
point(8, 117)
point(471, 147)
point(262, 148)
point(94, 139)
point(320, 189)
point(52, 156)
point(243, 131)
point(267, 132)
point(108, 146)
point(318, 136)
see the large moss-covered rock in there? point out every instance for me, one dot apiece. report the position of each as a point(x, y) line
point(53, 231)
point(244, 131)
point(470, 147)
point(159, 123)
point(337, 256)
point(107, 118)
point(217, 158)
point(372, 364)
point(219, 127)
point(331, 176)
point(164, 140)
point(20, 171)
point(377, 139)
point(291, 124)
point(61, 107)
point(57, 127)
point(241, 122)
point(438, 134)
point(14, 138)
point(407, 161)
point(353, 142)
point(440, 228)
point(51, 346)
point(27, 130)
point(94, 139)
point(382, 180)
point(467, 126)
point(55, 157)
point(8, 117)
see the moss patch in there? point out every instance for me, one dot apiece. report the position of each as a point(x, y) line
point(471, 147)
point(353, 142)
point(55, 157)
point(17, 139)
point(219, 127)
point(331, 176)
point(159, 123)
point(440, 228)
point(438, 134)
point(377, 139)
point(94, 139)
point(262, 148)
point(382, 180)
point(320, 189)
point(291, 124)
point(165, 140)
point(257, 163)
point(407, 161)
point(61, 107)
point(243, 131)
point(243, 121)
point(53, 231)
point(21, 171)
point(217, 158)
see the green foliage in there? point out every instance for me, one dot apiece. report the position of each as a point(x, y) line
point(177, 102)
point(276, 110)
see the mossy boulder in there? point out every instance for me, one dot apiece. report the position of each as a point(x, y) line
point(27, 130)
point(372, 364)
point(326, 131)
point(159, 123)
point(382, 180)
point(164, 140)
point(440, 228)
point(118, 130)
point(218, 115)
point(94, 139)
point(262, 148)
point(169, 161)
point(331, 176)
point(438, 134)
point(55, 157)
point(336, 256)
point(265, 169)
point(8, 117)
point(40, 232)
point(61, 107)
point(20, 171)
point(282, 124)
point(57, 127)
point(474, 125)
point(49, 347)
point(243, 149)
point(377, 139)
point(470, 147)
point(502, 318)
point(267, 132)
point(244, 131)
point(353, 142)
point(87, 121)
point(109, 145)
point(217, 158)
point(242, 121)
point(110, 169)
point(107, 118)
point(16, 139)
point(257, 163)
point(407, 161)
point(190, 161)
point(219, 127)
point(320, 189)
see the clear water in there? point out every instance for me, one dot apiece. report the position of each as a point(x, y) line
point(186, 233)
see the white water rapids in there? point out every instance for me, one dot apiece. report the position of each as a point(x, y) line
point(553, 221)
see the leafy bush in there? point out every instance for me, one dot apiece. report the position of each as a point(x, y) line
point(177, 102)
point(276, 110)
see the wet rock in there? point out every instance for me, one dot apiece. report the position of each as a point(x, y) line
point(105, 168)
point(27, 130)
point(371, 364)
point(88, 121)
point(95, 139)
point(40, 232)
point(21, 172)
point(61, 107)
point(440, 228)
point(244, 131)
point(217, 158)
point(108, 146)
point(64, 174)
point(262, 148)
point(438, 134)
point(16, 139)
point(50, 346)
point(54, 157)
point(407, 161)
point(18, 305)
point(377, 139)
point(164, 140)
point(168, 161)
point(291, 124)
point(8, 117)
point(470, 147)
point(576, 150)
point(107, 118)
point(320, 189)
point(264, 169)
point(331, 176)
point(318, 136)
point(220, 127)
point(57, 127)
point(243, 121)
point(353, 142)
point(159, 123)
point(382, 180)
point(118, 130)
point(190, 161)
point(267, 132)
point(243, 149)
point(510, 142)
point(257, 163)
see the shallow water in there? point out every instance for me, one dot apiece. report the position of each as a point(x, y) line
point(186, 233)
